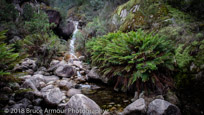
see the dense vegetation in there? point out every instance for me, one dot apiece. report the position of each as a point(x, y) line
point(136, 57)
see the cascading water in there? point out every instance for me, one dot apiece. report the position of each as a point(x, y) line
point(72, 47)
point(72, 41)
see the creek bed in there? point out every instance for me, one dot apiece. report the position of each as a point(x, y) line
point(106, 97)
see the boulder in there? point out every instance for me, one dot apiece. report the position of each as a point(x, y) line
point(54, 16)
point(50, 78)
point(55, 64)
point(46, 89)
point(93, 74)
point(65, 71)
point(26, 64)
point(65, 31)
point(73, 92)
point(136, 108)
point(54, 96)
point(79, 104)
point(33, 82)
point(78, 64)
point(25, 102)
point(64, 84)
point(81, 58)
point(162, 107)
point(37, 102)
point(25, 77)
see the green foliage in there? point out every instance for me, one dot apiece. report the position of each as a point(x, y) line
point(28, 12)
point(7, 57)
point(183, 57)
point(97, 4)
point(95, 28)
point(134, 55)
point(42, 46)
point(38, 24)
point(7, 11)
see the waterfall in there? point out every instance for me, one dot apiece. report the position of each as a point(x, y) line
point(72, 41)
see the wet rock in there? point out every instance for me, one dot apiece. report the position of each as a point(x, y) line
point(66, 30)
point(26, 64)
point(65, 71)
point(135, 97)
point(162, 107)
point(37, 102)
point(50, 78)
point(80, 79)
point(136, 108)
point(15, 86)
point(106, 113)
point(53, 96)
point(42, 69)
point(33, 82)
point(11, 102)
point(39, 72)
point(93, 74)
point(73, 92)
point(55, 64)
point(46, 89)
point(7, 90)
point(25, 77)
point(25, 102)
point(29, 71)
point(64, 84)
point(78, 64)
point(81, 58)
point(82, 72)
point(42, 84)
point(88, 91)
point(82, 103)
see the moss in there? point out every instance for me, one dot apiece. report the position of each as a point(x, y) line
point(128, 6)
point(133, 21)
point(149, 12)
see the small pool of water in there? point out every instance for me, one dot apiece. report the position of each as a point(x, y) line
point(107, 98)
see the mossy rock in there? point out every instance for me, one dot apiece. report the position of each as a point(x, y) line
point(139, 14)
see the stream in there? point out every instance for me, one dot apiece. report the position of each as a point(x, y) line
point(102, 94)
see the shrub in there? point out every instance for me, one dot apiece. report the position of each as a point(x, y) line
point(28, 12)
point(7, 11)
point(8, 59)
point(38, 24)
point(136, 57)
point(95, 28)
point(42, 46)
